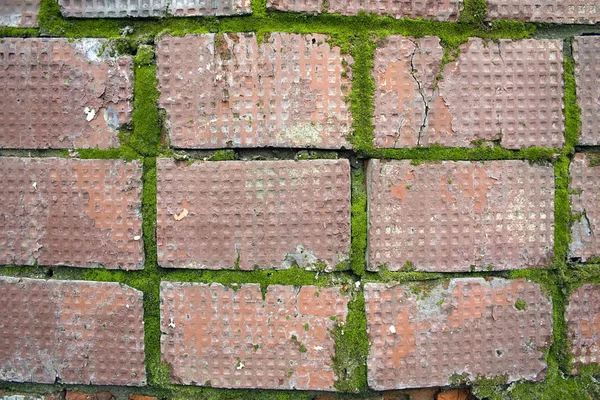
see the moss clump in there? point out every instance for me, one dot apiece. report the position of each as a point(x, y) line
point(521, 305)
point(358, 211)
point(223, 155)
point(572, 111)
point(144, 56)
point(474, 12)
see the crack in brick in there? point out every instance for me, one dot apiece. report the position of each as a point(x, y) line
point(413, 73)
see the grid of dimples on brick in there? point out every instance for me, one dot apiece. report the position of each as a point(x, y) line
point(229, 91)
point(583, 323)
point(422, 336)
point(268, 214)
point(586, 52)
point(73, 331)
point(439, 10)
point(510, 91)
point(235, 339)
point(79, 213)
point(112, 9)
point(61, 94)
point(19, 13)
point(185, 8)
point(460, 216)
point(554, 11)
point(311, 6)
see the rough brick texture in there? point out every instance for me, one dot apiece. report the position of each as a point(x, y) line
point(213, 335)
point(310, 6)
point(510, 91)
point(585, 204)
point(186, 8)
point(268, 214)
point(421, 336)
point(583, 323)
point(71, 331)
point(228, 91)
point(80, 213)
point(113, 9)
point(586, 52)
point(19, 13)
point(556, 11)
point(439, 10)
point(57, 94)
point(459, 216)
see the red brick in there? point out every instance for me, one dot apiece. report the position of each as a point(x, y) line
point(70, 395)
point(459, 216)
point(454, 394)
point(583, 323)
point(71, 332)
point(229, 91)
point(439, 10)
point(141, 397)
point(186, 8)
point(112, 9)
point(422, 335)
point(257, 214)
point(310, 6)
point(585, 204)
point(80, 213)
point(213, 335)
point(556, 11)
point(58, 94)
point(586, 52)
point(19, 13)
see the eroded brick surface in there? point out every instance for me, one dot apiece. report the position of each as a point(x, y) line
point(267, 214)
point(19, 13)
point(71, 331)
point(113, 9)
point(586, 52)
point(186, 8)
point(80, 213)
point(439, 10)
point(228, 91)
point(310, 6)
point(421, 336)
point(459, 216)
point(556, 11)
point(57, 94)
point(583, 323)
point(585, 205)
point(510, 91)
point(213, 335)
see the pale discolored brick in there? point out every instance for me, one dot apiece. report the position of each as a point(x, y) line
point(309, 6)
point(80, 213)
point(30, 396)
point(187, 8)
point(460, 216)
point(113, 9)
point(71, 332)
point(19, 13)
point(423, 335)
point(229, 91)
point(555, 11)
point(219, 337)
point(585, 205)
point(583, 323)
point(439, 10)
point(586, 52)
point(253, 214)
point(56, 93)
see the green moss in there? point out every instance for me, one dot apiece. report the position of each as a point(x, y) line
point(521, 305)
point(358, 221)
point(572, 111)
point(144, 56)
point(7, 31)
point(562, 211)
point(474, 12)
point(594, 160)
point(223, 155)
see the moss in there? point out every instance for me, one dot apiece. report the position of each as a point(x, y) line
point(145, 138)
point(358, 211)
point(572, 111)
point(521, 305)
point(474, 12)
point(562, 211)
point(144, 56)
point(223, 155)
point(7, 31)
point(594, 160)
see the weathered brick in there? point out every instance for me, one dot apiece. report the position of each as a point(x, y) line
point(113, 9)
point(585, 204)
point(71, 395)
point(556, 11)
point(80, 213)
point(186, 8)
point(29, 396)
point(510, 91)
point(229, 91)
point(586, 52)
point(71, 332)
point(460, 216)
point(310, 6)
point(583, 323)
point(253, 214)
point(141, 397)
point(439, 10)
point(213, 335)
point(19, 13)
point(423, 335)
point(61, 94)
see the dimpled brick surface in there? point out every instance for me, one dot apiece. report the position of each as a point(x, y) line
point(586, 52)
point(235, 339)
point(56, 94)
point(270, 214)
point(459, 216)
point(80, 213)
point(312, 6)
point(71, 331)
point(227, 91)
point(421, 336)
point(585, 204)
point(186, 8)
point(583, 322)
point(556, 11)
point(20, 13)
point(113, 9)
point(439, 10)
